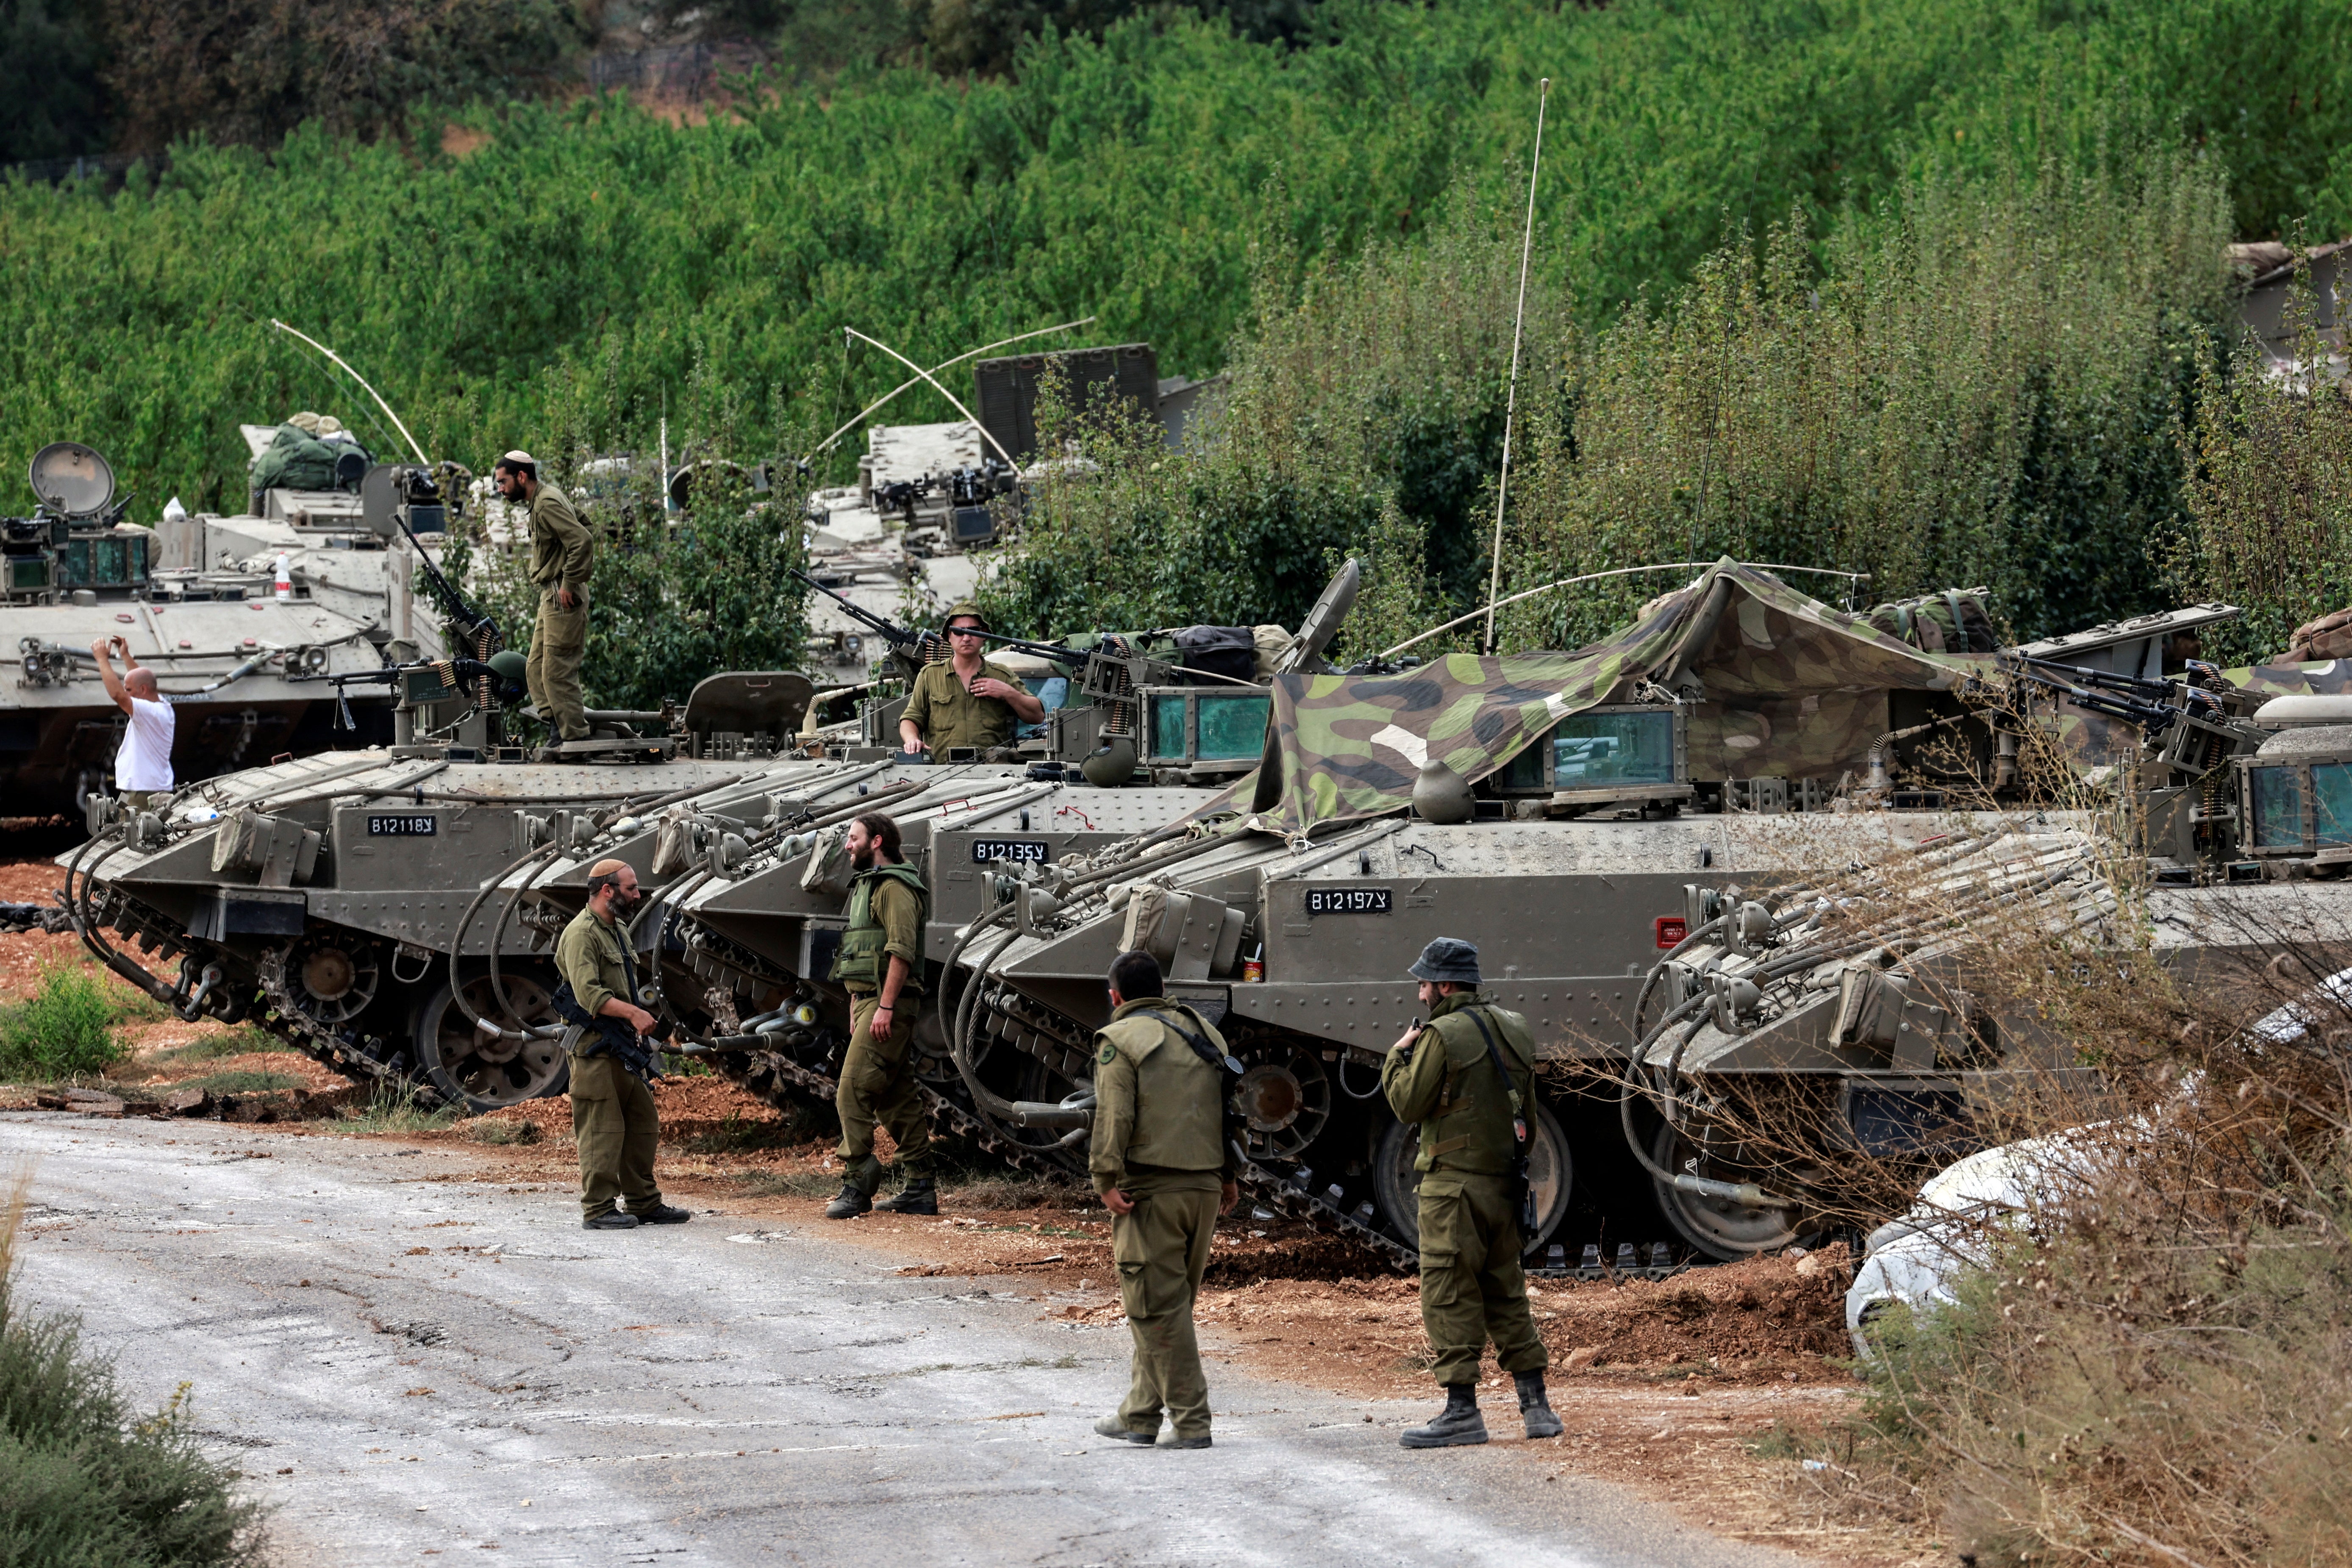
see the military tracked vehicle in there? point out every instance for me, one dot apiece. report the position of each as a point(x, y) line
point(199, 600)
point(1574, 815)
point(340, 899)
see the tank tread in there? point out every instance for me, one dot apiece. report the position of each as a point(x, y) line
point(351, 1057)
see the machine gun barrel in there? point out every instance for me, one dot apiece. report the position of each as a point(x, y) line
point(2155, 716)
point(919, 644)
point(2113, 680)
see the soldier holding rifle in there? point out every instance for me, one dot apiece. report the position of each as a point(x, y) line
point(1468, 1077)
point(612, 1113)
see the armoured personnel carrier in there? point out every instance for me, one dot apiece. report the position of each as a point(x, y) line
point(339, 899)
point(1577, 815)
point(235, 615)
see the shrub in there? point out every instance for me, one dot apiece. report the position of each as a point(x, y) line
point(89, 1482)
point(65, 1029)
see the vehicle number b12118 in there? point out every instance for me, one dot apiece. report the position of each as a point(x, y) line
point(1348, 901)
point(425, 826)
point(985, 851)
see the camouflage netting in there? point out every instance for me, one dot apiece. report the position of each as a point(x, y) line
point(1791, 689)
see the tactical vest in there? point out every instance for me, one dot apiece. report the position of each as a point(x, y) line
point(1470, 1131)
point(859, 963)
point(1180, 1100)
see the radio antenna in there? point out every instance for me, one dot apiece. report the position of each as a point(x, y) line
point(370, 391)
point(1511, 396)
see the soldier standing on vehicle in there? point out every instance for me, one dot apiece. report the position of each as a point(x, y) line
point(1468, 1077)
point(965, 700)
point(613, 1114)
point(561, 556)
point(1161, 1162)
point(142, 764)
point(881, 964)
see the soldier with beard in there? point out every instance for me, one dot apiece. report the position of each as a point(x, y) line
point(612, 1113)
point(881, 966)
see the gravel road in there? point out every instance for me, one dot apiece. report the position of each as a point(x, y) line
point(408, 1362)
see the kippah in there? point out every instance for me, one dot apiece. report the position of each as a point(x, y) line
point(608, 868)
point(525, 460)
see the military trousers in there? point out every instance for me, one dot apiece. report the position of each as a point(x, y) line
point(135, 801)
point(1163, 1252)
point(1472, 1287)
point(879, 1090)
point(617, 1127)
point(553, 671)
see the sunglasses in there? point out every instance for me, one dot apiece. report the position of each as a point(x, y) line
point(963, 631)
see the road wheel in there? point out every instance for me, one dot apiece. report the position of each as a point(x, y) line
point(1724, 1230)
point(481, 1071)
point(1396, 1185)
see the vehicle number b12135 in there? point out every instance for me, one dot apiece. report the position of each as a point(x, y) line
point(986, 851)
point(402, 826)
point(1348, 900)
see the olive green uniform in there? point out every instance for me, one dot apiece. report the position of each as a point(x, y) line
point(945, 712)
point(1159, 1137)
point(887, 906)
point(613, 1114)
point(561, 556)
point(1472, 1287)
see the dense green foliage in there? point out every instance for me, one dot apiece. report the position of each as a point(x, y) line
point(2269, 499)
point(570, 270)
point(64, 1029)
point(1981, 389)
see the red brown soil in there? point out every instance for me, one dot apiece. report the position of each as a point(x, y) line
point(1664, 1385)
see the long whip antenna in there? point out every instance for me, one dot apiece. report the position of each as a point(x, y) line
point(370, 391)
point(1511, 397)
point(943, 364)
point(943, 392)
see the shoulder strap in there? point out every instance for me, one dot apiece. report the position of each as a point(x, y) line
point(1494, 1053)
point(1200, 1047)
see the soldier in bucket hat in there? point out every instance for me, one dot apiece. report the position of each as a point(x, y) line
point(1467, 1077)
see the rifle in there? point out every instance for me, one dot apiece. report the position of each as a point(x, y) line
point(623, 1044)
point(2162, 691)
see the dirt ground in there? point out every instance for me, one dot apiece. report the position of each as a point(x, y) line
point(1664, 1386)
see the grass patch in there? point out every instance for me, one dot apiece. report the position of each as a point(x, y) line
point(791, 1184)
point(399, 1110)
point(499, 1132)
point(739, 1133)
point(242, 1082)
point(995, 1190)
point(89, 1480)
point(65, 1030)
point(248, 1041)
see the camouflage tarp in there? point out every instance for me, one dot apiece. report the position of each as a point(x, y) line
point(1792, 687)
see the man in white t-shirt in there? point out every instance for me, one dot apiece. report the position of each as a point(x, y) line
point(142, 764)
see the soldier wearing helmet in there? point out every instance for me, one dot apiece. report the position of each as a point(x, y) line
point(561, 555)
point(965, 700)
point(1467, 1077)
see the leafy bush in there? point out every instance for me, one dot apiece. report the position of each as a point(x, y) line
point(1982, 388)
point(579, 261)
point(90, 1482)
point(65, 1029)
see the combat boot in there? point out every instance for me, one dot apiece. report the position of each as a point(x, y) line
point(658, 1213)
point(1536, 1409)
point(612, 1219)
point(1459, 1422)
point(1112, 1426)
point(857, 1190)
point(920, 1196)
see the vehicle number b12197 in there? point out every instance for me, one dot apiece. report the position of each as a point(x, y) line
point(424, 827)
point(986, 851)
point(1348, 901)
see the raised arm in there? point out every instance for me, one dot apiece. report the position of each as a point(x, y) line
point(114, 687)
